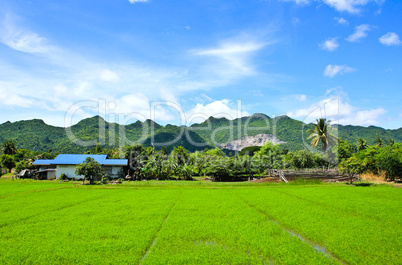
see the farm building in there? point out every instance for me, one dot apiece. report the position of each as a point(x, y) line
point(66, 163)
point(48, 173)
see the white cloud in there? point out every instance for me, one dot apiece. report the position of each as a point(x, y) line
point(217, 109)
point(10, 97)
point(256, 93)
point(330, 44)
point(22, 40)
point(234, 55)
point(25, 42)
point(351, 6)
point(333, 70)
point(390, 39)
point(229, 61)
point(336, 91)
point(109, 76)
point(61, 91)
point(341, 21)
point(134, 104)
point(338, 110)
point(228, 50)
point(298, 2)
point(361, 32)
point(294, 97)
point(363, 117)
point(137, 1)
point(302, 97)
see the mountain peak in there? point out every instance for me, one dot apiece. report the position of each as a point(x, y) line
point(284, 117)
point(92, 121)
point(151, 122)
point(256, 115)
point(135, 124)
point(213, 119)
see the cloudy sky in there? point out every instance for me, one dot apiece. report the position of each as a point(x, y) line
point(183, 61)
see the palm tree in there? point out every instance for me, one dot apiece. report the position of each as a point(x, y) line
point(9, 147)
point(379, 141)
point(361, 144)
point(321, 133)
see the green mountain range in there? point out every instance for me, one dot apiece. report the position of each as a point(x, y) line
point(39, 136)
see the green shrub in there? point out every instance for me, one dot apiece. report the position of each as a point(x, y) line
point(105, 179)
point(63, 177)
point(24, 164)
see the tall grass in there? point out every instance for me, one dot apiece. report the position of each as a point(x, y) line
point(375, 178)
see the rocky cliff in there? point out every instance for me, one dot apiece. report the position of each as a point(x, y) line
point(257, 140)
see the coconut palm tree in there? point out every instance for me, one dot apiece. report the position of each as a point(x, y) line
point(361, 144)
point(321, 133)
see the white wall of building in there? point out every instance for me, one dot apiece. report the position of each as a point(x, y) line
point(51, 174)
point(69, 170)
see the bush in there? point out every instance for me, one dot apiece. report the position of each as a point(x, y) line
point(7, 161)
point(305, 159)
point(24, 164)
point(63, 177)
point(389, 160)
point(105, 179)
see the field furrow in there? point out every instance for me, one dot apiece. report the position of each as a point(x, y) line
point(313, 245)
point(213, 227)
point(351, 237)
point(155, 237)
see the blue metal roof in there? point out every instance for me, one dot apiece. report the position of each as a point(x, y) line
point(74, 159)
point(115, 162)
point(42, 162)
point(71, 159)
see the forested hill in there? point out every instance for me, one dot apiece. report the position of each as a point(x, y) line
point(39, 136)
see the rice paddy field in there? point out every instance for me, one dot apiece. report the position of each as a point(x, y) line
point(198, 223)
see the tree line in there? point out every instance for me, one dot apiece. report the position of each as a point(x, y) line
point(149, 163)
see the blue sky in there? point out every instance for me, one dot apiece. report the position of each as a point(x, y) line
point(182, 61)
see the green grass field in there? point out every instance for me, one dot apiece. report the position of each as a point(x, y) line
point(198, 223)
